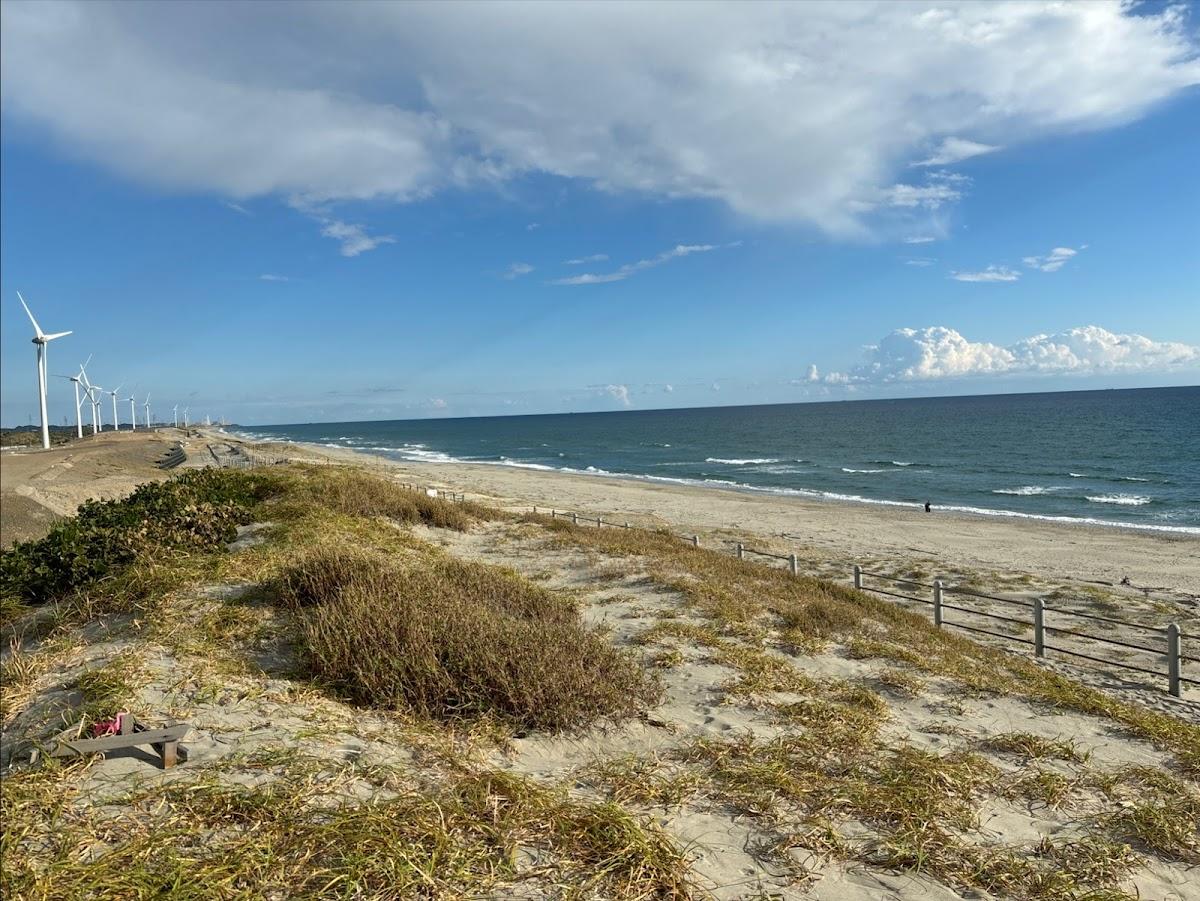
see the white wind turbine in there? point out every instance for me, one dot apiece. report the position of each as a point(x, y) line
point(175, 415)
point(132, 413)
point(41, 339)
point(91, 396)
point(185, 422)
point(147, 406)
point(75, 381)
point(116, 418)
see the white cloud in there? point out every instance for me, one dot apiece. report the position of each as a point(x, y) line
point(579, 261)
point(829, 101)
point(354, 238)
point(268, 277)
point(920, 261)
point(437, 403)
point(669, 389)
point(619, 393)
point(236, 207)
point(941, 188)
point(955, 150)
point(516, 270)
point(533, 226)
point(679, 250)
point(990, 274)
point(1054, 260)
point(926, 354)
point(920, 239)
point(814, 374)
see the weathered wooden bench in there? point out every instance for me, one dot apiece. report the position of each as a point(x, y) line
point(165, 741)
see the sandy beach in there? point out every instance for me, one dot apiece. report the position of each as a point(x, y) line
point(838, 533)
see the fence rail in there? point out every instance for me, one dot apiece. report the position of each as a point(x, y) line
point(1171, 651)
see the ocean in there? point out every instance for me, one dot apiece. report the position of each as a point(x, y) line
point(1121, 458)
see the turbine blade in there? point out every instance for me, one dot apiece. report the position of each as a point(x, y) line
point(37, 328)
point(57, 335)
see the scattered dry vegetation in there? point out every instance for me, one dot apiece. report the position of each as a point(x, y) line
point(455, 659)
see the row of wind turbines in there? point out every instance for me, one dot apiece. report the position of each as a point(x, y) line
point(92, 394)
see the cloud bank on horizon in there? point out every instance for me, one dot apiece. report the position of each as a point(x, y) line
point(939, 353)
point(842, 112)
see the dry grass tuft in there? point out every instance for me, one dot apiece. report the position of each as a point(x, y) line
point(351, 491)
point(450, 640)
point(1036, 747)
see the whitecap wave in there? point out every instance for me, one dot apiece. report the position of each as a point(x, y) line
point(1125, 500)
point(750, 461)
point(848, 469)
point(1024, 490)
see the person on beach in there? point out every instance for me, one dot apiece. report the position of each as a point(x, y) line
point(927, 507)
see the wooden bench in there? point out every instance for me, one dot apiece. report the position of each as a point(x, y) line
point(164, 740)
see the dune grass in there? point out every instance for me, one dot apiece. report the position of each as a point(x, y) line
point(729, 591)
point(452, 640)
point(303, 836)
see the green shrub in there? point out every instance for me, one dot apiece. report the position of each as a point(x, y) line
point(200, 510)
point(450, 639)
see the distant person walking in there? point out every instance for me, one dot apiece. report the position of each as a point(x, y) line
point(928, 508)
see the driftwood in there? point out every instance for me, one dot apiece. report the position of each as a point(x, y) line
point(164, 740)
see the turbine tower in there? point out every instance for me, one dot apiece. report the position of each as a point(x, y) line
point(41, 339)
point(175, 415)
point(132, 413)
point(116, 418)
point(185, 422)
point(147, 406)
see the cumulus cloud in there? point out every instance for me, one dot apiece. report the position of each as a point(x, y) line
point(990, 274)
point(908, 355)
point(829, 101)
point(516, 270)
point(955, 150)
point(580, 261)
point(669, 389)
point(619, 393)
point(1054, 260)
point(679, 250)
point(438, 403)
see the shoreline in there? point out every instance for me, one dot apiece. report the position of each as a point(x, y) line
point(1001, 545)
point(967, 513)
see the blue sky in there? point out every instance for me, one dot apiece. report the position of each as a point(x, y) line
point(275, 220)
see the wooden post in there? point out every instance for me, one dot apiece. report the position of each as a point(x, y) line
point(1174, 682)
point(937, 603)
point(535, 509)
point(627, 524)
point(1039, 627)
point(553, 513)
point(695, 541)
point(741, 551)
point(575, 519)
point(857, 576)
point(169, 754)
point(599, 523)
point(794, 564)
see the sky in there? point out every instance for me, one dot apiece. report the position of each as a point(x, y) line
point(331, 212)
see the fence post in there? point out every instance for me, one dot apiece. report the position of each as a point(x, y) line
point(535, 509)
point(599, 523)
point(1173, 660)
point(857, 576)
point(575, 519)
point(627, 524)
point(937, 603)
point(794, 565)
point(1039, 627)
point(695, 541)
point(741, 551)
point(553, 513)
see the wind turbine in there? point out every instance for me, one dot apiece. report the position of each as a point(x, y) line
point(132, 413)
point(185, 422)
point(116, 418)
point(175, 415)
point(147, 406)
point(41, 339)
point(91, 396)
